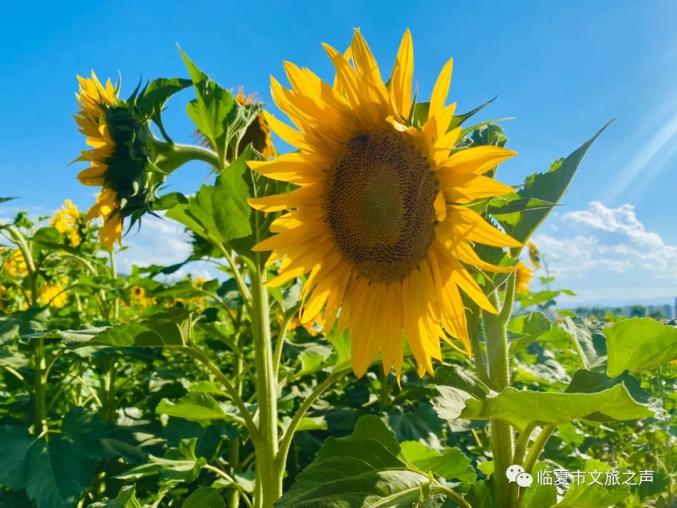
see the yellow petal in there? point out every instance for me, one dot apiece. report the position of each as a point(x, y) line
point(441, 89)
point(403, 74)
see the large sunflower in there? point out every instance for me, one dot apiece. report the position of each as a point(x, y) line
point(379, 220)
point(95, 100)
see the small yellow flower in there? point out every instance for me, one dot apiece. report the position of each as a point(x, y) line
point(53, 294)
point(524, 276)
point(66, 220)
point(199, 281)
point(534, 255)
point(138, 295)
point(15, 264)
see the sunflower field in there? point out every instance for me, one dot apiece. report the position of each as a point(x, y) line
point(373, 338)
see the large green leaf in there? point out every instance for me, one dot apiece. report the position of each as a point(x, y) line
point(366, 468)
point(219, 213)
point(521, 407)
point(639, 344)
point(451, 464)
point(211, 107)
point(166, 329)
point(547, 187)
point(593, 495)
point(14, 444)
point(57, 472)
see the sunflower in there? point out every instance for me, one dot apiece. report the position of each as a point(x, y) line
point(15, 264)
point(95, 100)
point(66, 220)
point(258, 133)
point(53, 294)
point(524, 275)
point(379, 219)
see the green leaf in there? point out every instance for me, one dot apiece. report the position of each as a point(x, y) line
point(542, 297)
point(204, 497)
point(521, 407)
point(13, 447)
point(152, 98)
point(586, 336)
point(195, 407)
point(178, 465)
point(126, 498)
point(166, 329)
point(548, 187)
point(459, 119)
point(450, 403)
point(462, 379)
point(219, 213)
point(211, 107)
point(587, 381)
point(363, 469)
point(588, 495)
point(57, 472)
point(451, 464)
point(639, 344)
point(538, 496)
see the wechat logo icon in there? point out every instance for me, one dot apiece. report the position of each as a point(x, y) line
point(516, 474)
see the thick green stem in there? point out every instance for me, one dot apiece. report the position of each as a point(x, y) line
point(269, 479)
point(502, 439)
point(171, 155)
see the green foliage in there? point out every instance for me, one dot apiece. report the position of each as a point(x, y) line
point(522, 407)
point(548, 187)
point(639, 344)
point(211, 107)
point(219, 213)
point(367, 468)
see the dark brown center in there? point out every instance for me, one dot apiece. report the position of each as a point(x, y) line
point(380, 205)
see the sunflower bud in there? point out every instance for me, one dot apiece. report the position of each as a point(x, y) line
point(121, 156)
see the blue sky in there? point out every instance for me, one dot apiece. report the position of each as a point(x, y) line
point(561, 68)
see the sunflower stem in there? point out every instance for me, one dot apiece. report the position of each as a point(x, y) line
point(502, 438)
point(269, 477)
point(172, 155)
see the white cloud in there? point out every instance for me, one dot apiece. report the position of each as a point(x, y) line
point(160, 241)
point(608, 253)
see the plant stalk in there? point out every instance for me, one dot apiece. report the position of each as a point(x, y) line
point(269, 478)
point(502, 438)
